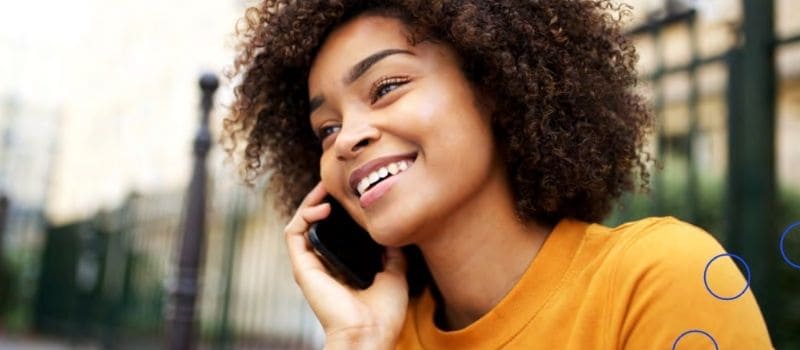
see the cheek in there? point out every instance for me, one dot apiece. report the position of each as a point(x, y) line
point(427, 110)
point(452, 123)
point(445, 104)
point(329, 173)
point(463, 138)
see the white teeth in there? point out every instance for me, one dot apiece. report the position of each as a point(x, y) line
point(362, 186)
point(393, 169)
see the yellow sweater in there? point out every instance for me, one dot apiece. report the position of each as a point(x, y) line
point(637, 286)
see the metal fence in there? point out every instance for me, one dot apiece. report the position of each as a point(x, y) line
point(107, 279)
point(716, 148)
point(111, 281)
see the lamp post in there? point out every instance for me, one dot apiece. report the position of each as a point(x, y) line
point(186, 285)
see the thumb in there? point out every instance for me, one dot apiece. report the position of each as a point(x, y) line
point(395, 262)
point(393, 276)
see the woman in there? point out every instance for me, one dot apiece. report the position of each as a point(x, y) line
point(517, 127)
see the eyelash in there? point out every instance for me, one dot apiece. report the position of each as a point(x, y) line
point(384, 82)
point(373, 95)
point(322, 136)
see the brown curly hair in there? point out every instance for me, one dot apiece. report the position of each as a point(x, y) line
point(561, 73)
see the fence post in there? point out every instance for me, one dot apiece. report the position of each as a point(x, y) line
point(691, 136)
point(3, 214)
point(235, 222)
point(6, 284)
point(186, 286)
point(751, 152)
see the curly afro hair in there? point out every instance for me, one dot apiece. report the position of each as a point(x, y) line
point(561, 73)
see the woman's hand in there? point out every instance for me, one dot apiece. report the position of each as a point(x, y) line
point(366, 319)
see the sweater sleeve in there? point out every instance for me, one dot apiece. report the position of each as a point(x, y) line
point(665, 286)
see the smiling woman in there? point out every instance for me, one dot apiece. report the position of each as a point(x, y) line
point(489, 136)
point(408, 103)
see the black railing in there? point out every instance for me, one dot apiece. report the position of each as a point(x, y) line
point(186, 288)
point(749, 219)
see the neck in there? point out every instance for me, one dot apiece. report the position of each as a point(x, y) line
point(479, 253)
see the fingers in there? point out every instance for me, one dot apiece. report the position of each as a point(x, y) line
point(300, 254)
point(393, 275)
point(390, 287)
point(395, 261)
point(316, 213)
point(314, 196)
point(304, 217)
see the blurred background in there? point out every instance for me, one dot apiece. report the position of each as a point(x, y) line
point(100, 106)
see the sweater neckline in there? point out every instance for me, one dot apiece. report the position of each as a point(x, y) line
point(541, 280)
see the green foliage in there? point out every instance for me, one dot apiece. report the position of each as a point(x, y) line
point(8, 281)
point(788, 278)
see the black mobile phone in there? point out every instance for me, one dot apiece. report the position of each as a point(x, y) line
point(346, 248)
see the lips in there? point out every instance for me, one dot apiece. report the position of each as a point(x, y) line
point(374, 165)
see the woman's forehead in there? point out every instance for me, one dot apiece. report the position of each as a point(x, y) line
point(355, 40)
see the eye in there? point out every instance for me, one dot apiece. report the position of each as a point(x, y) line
point(327, 130)
point(385, 86)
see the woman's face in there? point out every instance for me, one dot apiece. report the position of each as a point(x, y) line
point(405, 144)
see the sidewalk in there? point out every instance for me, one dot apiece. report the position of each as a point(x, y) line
point(41, 344)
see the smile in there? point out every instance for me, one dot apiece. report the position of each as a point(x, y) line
point(373, 178)
point(380, 174)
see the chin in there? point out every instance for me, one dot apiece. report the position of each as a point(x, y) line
point(394, 231)
point(406, 220)
point(390, 236)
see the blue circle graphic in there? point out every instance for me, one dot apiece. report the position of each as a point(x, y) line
point(783, 250)
point(716, 347)
point(705, 276)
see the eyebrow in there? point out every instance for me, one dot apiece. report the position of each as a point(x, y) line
point(358, 70)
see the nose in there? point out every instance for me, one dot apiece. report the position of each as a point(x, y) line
point(353, 137)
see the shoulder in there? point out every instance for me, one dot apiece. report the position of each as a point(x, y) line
point(658, 238)
point(671, 277)
point(665, 229)
point(666, 244)
point(670, 255)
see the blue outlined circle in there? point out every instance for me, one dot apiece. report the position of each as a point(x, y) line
point(716, 346)
point(783, 250)
point(705, 276)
